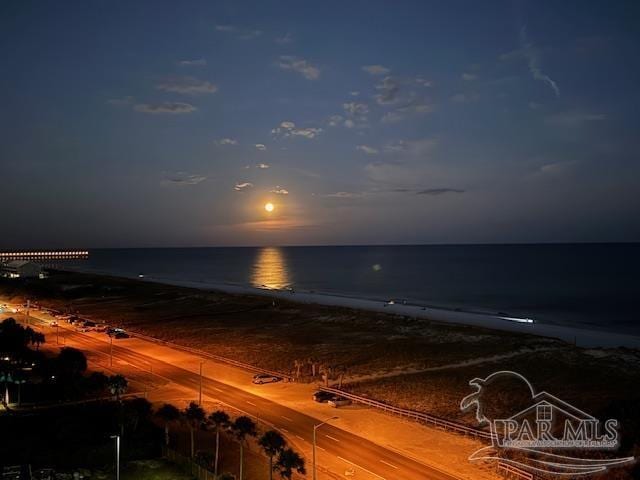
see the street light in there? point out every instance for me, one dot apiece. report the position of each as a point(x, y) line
point(315, 428)
point(117, 438)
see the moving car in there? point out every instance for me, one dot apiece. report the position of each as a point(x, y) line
point(322, 397)
point(261, 378)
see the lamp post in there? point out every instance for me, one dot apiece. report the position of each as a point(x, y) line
point(111, 350)
point(315, 428)
point(117, 438)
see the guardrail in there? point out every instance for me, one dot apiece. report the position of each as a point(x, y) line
point(418, 416)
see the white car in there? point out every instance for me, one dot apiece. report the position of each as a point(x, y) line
point(261, 378)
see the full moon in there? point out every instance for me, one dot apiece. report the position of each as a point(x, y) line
point(269, 207)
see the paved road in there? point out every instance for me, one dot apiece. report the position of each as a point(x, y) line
point(362, 454)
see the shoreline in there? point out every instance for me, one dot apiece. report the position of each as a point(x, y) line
point(577, 336)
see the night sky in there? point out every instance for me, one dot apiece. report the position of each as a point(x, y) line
point(154, 123)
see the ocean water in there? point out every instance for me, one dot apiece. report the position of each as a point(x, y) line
point(587, 285)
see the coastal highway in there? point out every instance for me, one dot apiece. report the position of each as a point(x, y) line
point(368, 459)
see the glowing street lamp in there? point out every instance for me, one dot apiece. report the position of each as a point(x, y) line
point(117, 439)
point(315, 428)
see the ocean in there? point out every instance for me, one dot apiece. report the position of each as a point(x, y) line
point(592, 286)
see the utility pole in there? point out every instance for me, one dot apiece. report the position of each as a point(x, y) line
point(111, 352)
point(57, 334)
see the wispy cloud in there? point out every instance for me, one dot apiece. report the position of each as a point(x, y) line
point(439, 191)
point(239, 32)
point(388, 91)
point(299, 65)
point(342, 195)
point(532, 54)
point(227, 141)
point(241, 187)
point(468, 77)
point(187, 86)
point(121, 102)
point(289, 129)
point(175, 108)
point(183, 178)
point(376, 69)
point(367, 149)
point(262, 166)
point(279, 191)
point(198, 62)
point(261, 146)
point(284, 39)
point(574, 119)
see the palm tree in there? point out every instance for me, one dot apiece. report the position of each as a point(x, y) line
point(272, 443)
point(241, 428)
point(167, 413)
point(288, 461)
point(218, 420)
point(117, 385)
point(195, 415)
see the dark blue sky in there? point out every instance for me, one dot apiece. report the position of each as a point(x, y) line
point(172, 123)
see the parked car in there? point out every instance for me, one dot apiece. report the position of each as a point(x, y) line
point(322, 397)
point(89, 323)
point(54, 323)
point(121, 334)
point(101, 328)
point(112, 331)
point(338, 401)
point(261, 378)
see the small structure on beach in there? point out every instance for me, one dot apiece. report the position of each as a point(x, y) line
point(21, 269)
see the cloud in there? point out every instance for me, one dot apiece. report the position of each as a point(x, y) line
point(417, 147)
point(187, 86)
point(574, 119)
point(342, 195)
point(356, 109)
point(303, 67)
point(260, 146)
point(439, 191)
point(279, 191)
point(415, 106)
point(288, 129)
point(533, 58)
point(183, 178)
point(121, 102)
point(557, 168)
point(241, 187)
point(354, 93)
point(165, 107)
point(335, 120)
point(198, 62)
point(376, 69)
point(227, 141)
point(368, 150)
point(262, 166)
point(285, 39)
point(388, 91)
point(239, 32)
point(468, 77)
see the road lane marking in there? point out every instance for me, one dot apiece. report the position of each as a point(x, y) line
point(320, 448)
point(286, 418)
point(332, 438)
point(389, 464)
point(251, 403)
point(356, 465)
point(284, 430)
point(218, 389)
point(301, 438)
